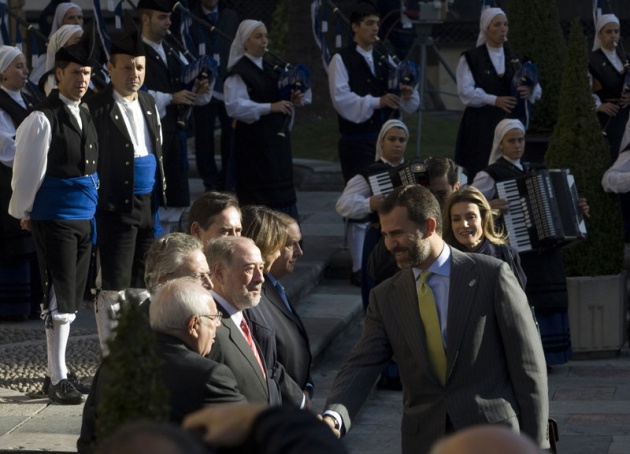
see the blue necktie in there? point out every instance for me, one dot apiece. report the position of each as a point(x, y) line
point(213, 17)
point(282, 294)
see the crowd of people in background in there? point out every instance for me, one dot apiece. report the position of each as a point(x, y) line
point(94, 176)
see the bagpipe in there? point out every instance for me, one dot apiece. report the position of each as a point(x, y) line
point(203, 68)
point(294, 78)
point(525, 74)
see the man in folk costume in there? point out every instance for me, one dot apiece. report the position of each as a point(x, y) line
point(55, 194)
point(131, 173)
point(164, 64)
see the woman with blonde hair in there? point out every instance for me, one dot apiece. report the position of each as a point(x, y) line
point(468, 225)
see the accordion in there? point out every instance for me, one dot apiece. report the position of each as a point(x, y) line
point(543, 210)
point(383, 182)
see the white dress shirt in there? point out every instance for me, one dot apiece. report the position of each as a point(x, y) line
point(131, 113)
point(32, 141)
point(473, 96)
point(348, 104)
point(486, 184)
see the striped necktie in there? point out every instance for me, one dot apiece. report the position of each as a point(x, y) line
point(431, 323)
point(250, 341)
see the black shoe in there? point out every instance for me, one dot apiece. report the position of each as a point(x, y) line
point(65, 393)
point(72, 378)
point(78, 384)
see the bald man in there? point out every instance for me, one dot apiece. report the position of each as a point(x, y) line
point(487, 439)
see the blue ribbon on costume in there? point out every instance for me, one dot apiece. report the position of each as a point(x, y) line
point(144, 174)
point(67, 199)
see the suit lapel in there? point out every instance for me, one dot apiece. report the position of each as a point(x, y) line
point(117, 118)
point(464, 283)
point(236, 337)
point(274, 298)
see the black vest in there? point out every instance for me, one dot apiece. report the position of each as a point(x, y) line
point(503, 169)
point(485, 74)
point(15, 111)
point(610, 80)
point(363, 82)
point(73, 151)
point(164, 79)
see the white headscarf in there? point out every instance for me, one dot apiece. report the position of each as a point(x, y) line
point(484, 22)
point(7, 55)
point(389, 124)
point(237, 49)
point(57, 41)
point(499, 132)
point(602, 21)
point(60, 12)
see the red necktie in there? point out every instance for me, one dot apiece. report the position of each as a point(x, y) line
point(250, 341)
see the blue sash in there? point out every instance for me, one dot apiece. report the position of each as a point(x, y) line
point(66, 198)
point(144, 174)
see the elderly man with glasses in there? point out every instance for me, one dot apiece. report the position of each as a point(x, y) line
point(185, 318)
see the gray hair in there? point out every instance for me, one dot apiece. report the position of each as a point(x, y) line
point(221, 250)
point(175, 302)
point(166, 255)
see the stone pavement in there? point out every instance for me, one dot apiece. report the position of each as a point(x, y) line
point(589, 399)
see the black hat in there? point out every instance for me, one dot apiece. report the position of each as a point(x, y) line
point(129, 43)
point(164, 6)
point(77, 53)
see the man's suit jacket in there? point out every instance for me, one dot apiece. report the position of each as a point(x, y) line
point(495, 363)
point(294, 350)
point(264, 330)
point(230, 348)
point(191, 379)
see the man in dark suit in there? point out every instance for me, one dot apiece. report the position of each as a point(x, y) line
point(293, 346)
point(460, 328)
point(131, 172)
point(216, 44)
point(237, 274)
point(185, 319)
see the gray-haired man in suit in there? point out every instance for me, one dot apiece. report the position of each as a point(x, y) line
point(492, 368)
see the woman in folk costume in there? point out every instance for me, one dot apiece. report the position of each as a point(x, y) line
point(65, 36)
point(261, 157)
point(65, 14)
point(546, 286)
point(20, 293)
point(484, 85)
point(608, 66)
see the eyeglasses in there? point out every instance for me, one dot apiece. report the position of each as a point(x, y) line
point(202, 276)
point(212, 317)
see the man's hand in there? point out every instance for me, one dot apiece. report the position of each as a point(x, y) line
point(583, 207)
point(389, 100)
point(283, 107)
point(499, 204)
point(224, 424)
point(202, 86)
point(406, 91)
point(297, 98)
point(331, 422)
point(25, 224)
point(185, 97)
point(609, 108)
point(376, 202)
point(524, 91)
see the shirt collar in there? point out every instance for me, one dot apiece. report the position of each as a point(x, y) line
point(258, 61)
point(365, 53)
point(155, 46)
point(271, 278)
point(15, 94)
point(231, 310)
point(119, 98)
point(208, 11)
point(68, 102)
point(441, 266)
point(515, 162)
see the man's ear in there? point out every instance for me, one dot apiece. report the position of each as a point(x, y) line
point(429, 227)
point(192, 326)
point(195, 228)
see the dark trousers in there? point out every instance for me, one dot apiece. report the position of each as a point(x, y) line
point(123, 241)
point(63, 251)
point(204, 118)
